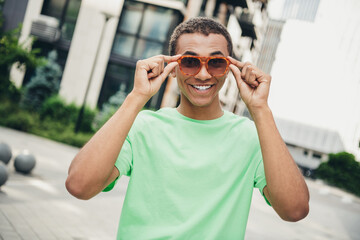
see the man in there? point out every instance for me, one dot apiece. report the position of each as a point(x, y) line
point(192, 169)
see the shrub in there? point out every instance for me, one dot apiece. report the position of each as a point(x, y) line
point(22, 121)
point(55, 108)
point(45, 84)
point(11, 51)
point(341, 170)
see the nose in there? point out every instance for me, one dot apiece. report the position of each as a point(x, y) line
point(203, 74)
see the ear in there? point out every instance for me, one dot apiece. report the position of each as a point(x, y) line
point(173, 73)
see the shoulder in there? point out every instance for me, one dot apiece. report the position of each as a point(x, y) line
point(238, 120)
point(146, 117)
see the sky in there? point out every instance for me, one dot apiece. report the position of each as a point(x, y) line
point(316, 73)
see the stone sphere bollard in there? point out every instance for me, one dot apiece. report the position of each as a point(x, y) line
point(5, 153)
point(24, 162)
point(3, 174)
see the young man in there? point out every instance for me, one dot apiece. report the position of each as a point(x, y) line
point(192, 169)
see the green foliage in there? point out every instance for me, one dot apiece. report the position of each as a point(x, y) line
point(109, 108)
point(56, 121)
point(52, 118)
point(44, 84)
point(11, 51)
point(55, 108)
point(342, 170)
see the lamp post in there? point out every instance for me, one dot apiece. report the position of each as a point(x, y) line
point(108, 9)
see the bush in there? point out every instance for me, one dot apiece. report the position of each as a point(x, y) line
point(342, 170)
point(56, 109)
point(45, 84)
point(22, 121)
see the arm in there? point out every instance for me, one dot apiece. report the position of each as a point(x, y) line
point(93, 169)
point(286, 189)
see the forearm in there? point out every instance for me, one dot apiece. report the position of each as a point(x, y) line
point(93, 165)
point(287, 190)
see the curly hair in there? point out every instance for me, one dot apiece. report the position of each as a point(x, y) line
point(202, 25)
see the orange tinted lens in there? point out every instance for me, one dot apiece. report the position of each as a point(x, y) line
point(190, 65)
point(217, 66)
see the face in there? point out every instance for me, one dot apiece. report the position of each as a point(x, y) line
point(201, 90)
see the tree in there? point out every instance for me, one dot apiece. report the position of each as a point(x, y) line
point(11, 51)
point(341, 170)
point(43, 85)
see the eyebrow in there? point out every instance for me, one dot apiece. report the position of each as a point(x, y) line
point(195, 54)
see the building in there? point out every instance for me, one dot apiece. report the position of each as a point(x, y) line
point(309, 145)
point(316, 69)
point(99, 42)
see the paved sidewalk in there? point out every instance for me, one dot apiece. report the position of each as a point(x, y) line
point(37, 206)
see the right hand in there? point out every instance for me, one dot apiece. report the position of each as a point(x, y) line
point(150, 73)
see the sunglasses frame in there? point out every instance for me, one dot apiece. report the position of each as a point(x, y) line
point(203, 60)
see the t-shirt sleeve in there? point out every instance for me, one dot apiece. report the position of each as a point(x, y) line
point(259, 178)
point(123, 163)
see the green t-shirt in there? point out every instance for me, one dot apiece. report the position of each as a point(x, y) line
point(189, 179)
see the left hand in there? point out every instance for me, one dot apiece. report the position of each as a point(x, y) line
point(253, 84)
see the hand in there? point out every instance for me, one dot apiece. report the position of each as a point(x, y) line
point(150, 74)
point(253, 84)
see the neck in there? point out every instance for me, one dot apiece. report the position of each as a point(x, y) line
point(208, 112)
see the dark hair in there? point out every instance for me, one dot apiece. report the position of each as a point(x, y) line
point(203, 25)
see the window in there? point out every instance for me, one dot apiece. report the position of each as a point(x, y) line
point(317, 155)
point(66, 11)
point(144, 30)
point(116, 75)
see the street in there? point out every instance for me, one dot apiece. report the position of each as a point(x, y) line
point(38, 206)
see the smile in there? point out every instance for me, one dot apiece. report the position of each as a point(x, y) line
point(202, 87)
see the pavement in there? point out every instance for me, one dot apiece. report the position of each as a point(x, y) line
point(37, 206)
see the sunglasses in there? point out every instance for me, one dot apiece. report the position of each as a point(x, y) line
point(191, 65)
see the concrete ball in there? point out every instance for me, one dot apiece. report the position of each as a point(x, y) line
point(3, 174)
point(5, 153)
point(24, 163)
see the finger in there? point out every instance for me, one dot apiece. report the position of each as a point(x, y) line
point(243, 71)
point(252, 78)
point(236, 62)
point(237, 74)
point(154, 69)
point(166, 72)
point(169, 59)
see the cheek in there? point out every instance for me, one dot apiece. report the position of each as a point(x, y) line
point(221, 80)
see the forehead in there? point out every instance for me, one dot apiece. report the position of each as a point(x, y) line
point(201, 44)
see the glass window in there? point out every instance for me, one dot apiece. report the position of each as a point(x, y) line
point(116, 75)
point(53, 8)
point(66, 11)
point(144, 29)
point(73, 9)
point(156, 23)
point(131, 18)
point(146, 49)
point(123, 45)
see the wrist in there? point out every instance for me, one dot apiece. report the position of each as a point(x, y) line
point(138, 98)
point(135, 101)
point(259, 112)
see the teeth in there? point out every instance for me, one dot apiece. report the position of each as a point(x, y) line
point(201, 88)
